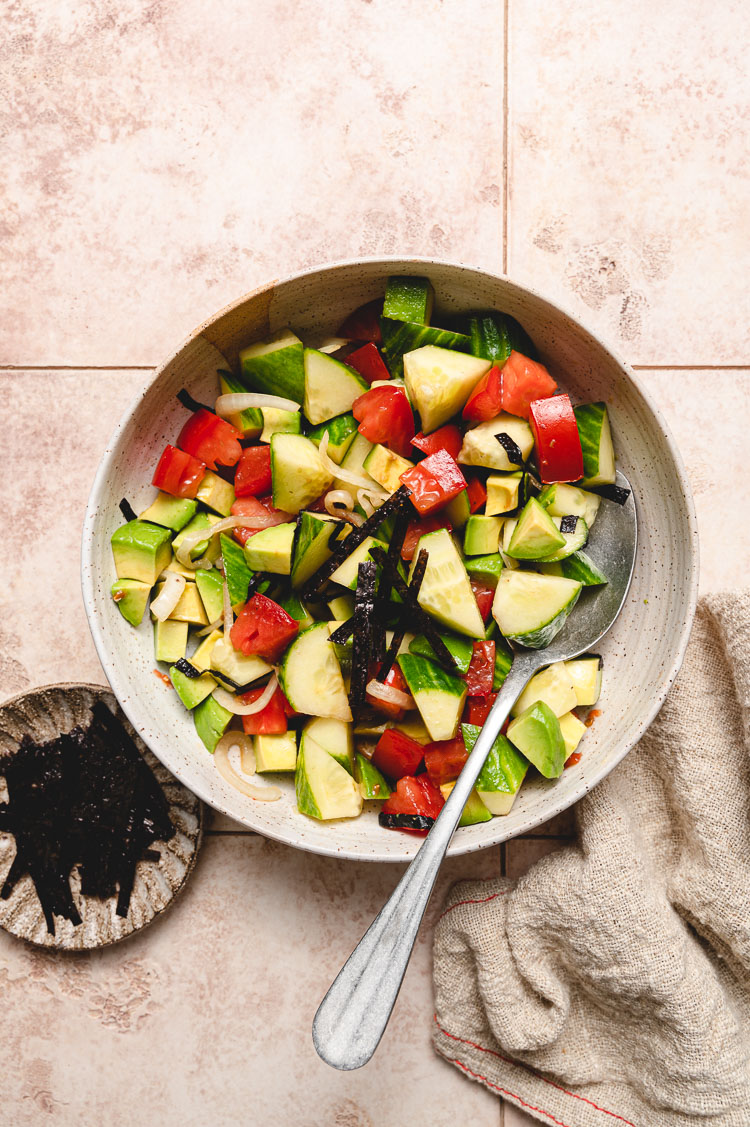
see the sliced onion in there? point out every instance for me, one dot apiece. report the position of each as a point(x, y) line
point(221, 758)
point(388, 694)
point(228, 613)
point(219, 565)
point(217, 622)
point(340, 503)
point(367, 498)
point(337, 471)
point(235, 402)
point(169, 596)
point(230, 702)
point(182, 555)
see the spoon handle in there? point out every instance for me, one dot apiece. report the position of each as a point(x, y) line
point(352, 1017)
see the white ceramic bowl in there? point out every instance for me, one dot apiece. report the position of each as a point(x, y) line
point(642, 654)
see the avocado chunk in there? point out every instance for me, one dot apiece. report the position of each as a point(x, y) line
point(141, 551)
point(189, 606)
point(271, 549)
point(297, 472)
point(486, 568)
point(170, 512)
point(503, 771)
point(276, 366)
point(503, 492)
point(536, 733)
point(191, 690)
point(131, 597)
point(474, 811)
point(200, 659)
point(439, 381)
point(216, 493)
point(170, 640)
point(371, 783)
point(386, 468)
point(211, 721)
point(208, 547)
point(554, 686)
point(586, 675)
point(276, 752)
point(482, 535)
point(535, 535)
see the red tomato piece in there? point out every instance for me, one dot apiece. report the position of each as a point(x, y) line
point(253, 474)
point(477, 709)
point(263, 628)
point(396, 755)
point(384, 415)
point(369, 363)
point(177, 473)
point(486, 398)
point(434, 481)
point(485, 596)
point(394, 680)
point(524, 381)
point(415, 796)
point(477, 493)
point(481, 671)
point(271, 720)
point(260, 513)
point(446, 438)
point(364, 323)
point(419, 528)
point(558, 445)
point(210, 438)
point(444, 760)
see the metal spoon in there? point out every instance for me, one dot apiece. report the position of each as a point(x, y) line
point(353, 1015)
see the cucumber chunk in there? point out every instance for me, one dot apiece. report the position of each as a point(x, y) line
point(562, 500)
point(335, 737)
point(572, 730)
point(531, 608)
point(372, 785)
point(325, 790)
point(249, 421)
point(481, 448)
point(495, 335)
point(311, 676)
point(439, 382)
point(400, 337)
point(461, 649)
point(438, 695)
point(278, 421)
point(236, 571)
point(578, 566)
point(240, 668)
point(276, 366)
point(446, 592)
point(596, 444)
point(311, 548)
point(408, 299)
point(574, 540)
point(297, 472)
point(346, 573)
point(330, 386)
point(386, 468)
point(342, 432)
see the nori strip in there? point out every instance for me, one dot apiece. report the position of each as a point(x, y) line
point(185, 667)
point(187, 400)
point(238, 689)
point(614, 493)
point(422, 620)
point(390, 656)
point(405, 821)
point(364, 606)
point(400, 527)
point(345, 548)
point(127, 510)
point(511, 448)
point(568, 524)
point(343, 633)
point(86, 798)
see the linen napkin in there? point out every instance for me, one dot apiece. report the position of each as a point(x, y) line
point(610, 985)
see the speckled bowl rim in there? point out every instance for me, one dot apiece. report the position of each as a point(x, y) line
point(497, 831)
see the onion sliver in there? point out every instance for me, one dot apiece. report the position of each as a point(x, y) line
point(337, 471)
point(244, 745)
point(235, 402)
point(367, 498)
point(182, 555)
point(340, 503)
point(169, 596)
point(228, 614)
point(388, 694)
point(210, 628)
point(227, 771)
point(230, 702)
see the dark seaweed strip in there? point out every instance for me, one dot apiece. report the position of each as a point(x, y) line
point(238, 689)
point(185, 667)
point(400, 526)
point(422, 620)
point(610, 492)
point(394, 503)
point(127, 510)
point(187, 400)
point(568, 524)
point(256, 580)
point(364, 607)
point(390, 656)
point(405, 821)
point(343, 633)
point(511, 448)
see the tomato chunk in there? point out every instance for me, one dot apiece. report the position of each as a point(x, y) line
point(364, 322)
point(210, 438)
point(558, 444)
point(396, 755)
point(394, 680)
point(446, 438)
point(481, 671)
point(415, 796)
point(369, 363)
point(253, 474)
point(385, 416)
point(477, 709)
point(178, 473)
point(485, 596)
point(485, 400)
point(444, 760)
point(419, 528)
point(477, 493)
point(436, 480)
point(260, 513)
point(271, 720)
point(524, 381)
point(263, 628)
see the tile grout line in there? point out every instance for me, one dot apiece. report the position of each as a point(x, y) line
point(505, 137)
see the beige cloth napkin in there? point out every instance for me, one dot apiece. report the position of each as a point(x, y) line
point(610, 985)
